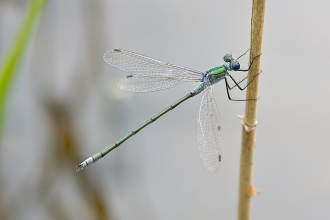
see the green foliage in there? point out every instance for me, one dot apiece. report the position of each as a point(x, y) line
point(11, 60)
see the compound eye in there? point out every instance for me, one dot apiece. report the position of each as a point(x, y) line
point(235, 65)
point(227, 58)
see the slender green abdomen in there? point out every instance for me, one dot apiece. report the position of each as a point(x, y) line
point(151, 120)
point(101, 154)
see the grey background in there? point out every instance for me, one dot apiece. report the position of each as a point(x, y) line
point(158, 174)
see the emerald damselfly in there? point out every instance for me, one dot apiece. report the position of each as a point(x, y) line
point(148, 75)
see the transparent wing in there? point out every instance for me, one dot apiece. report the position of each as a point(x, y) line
point(136, 83)
point(158, 74)
point(208, 127)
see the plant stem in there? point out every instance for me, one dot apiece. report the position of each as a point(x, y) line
point(12, 58)
point(248, 137)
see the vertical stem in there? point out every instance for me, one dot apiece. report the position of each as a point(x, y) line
point(248, 138)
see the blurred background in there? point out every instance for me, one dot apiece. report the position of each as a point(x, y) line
point(63, 107)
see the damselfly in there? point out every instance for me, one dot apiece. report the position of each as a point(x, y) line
point(147, 75)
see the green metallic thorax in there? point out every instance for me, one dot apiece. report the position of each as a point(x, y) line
point(217, 74)
point(217, 71)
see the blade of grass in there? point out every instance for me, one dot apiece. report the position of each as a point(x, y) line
point(248, 137)
point(11, 60)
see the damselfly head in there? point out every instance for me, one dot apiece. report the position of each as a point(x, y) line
point(235, 65)
point(228, 58)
